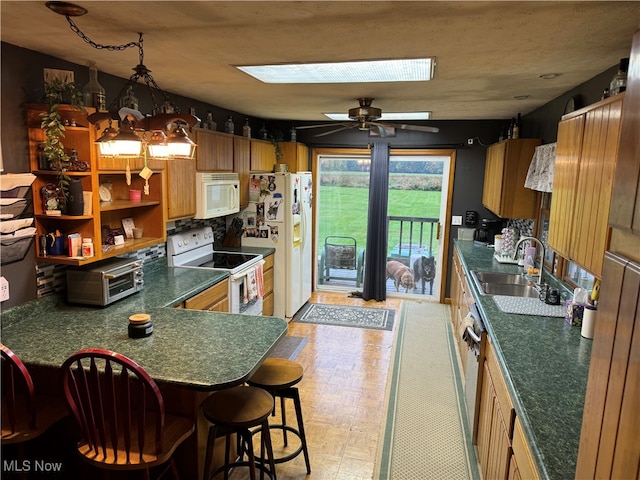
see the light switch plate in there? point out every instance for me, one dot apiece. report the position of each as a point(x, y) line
point(4, 289)
point(456, 220)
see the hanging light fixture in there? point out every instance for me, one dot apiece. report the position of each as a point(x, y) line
point(124, 108)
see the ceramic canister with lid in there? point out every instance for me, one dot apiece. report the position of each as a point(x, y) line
point(140, 325)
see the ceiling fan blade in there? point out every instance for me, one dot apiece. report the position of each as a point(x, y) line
point(333, 124)
point(344, 127)
point(403, 126)
point(418, 128)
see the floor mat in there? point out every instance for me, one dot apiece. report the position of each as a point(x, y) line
point(288, 347)
point(346, 316)
point(425, 436)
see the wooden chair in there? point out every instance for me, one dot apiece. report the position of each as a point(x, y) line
point(25, 414)
point(120, 412)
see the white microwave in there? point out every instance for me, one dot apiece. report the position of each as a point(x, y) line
point(217, 194)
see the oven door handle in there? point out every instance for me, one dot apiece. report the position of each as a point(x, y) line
point(473, 335)
point(243, 273)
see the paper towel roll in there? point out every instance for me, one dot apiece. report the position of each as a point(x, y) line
point(588, 321)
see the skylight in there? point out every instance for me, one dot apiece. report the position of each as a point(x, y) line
point(386, 116)
point(407, 70)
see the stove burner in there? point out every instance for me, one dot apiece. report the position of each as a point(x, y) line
point(228, 261)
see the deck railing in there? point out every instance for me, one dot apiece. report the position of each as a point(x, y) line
point(415, 235)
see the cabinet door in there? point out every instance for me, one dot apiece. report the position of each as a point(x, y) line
point(565, 177)
point(590, 232)
point(213, 298)
point(493, 173)
point(214, 152)
point(295, 156)
point(625, 206)
point(263, 156)
point(242, 166)
point(181, 188)
point(267, 301)
point(506, 169)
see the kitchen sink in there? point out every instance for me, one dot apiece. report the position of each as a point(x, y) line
point(499, 277)
point(498, 283)
point(509, 290)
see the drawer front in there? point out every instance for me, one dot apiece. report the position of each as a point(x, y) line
point(208, 297)
point(268, 263)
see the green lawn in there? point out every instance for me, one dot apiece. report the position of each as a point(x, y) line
point(343, 211)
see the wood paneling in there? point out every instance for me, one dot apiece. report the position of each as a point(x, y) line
point(214, 152)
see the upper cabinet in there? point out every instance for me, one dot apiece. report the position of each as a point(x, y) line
point(586, 156)
point(295, 156)
point(102, 184)
point(263, 155)
point(506, 169)
point(215, 151)
point(242, 166)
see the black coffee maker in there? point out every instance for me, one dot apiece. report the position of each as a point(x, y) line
point(489, 228)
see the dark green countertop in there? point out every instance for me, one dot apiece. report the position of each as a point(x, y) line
point(196, 349)
point(545, 363)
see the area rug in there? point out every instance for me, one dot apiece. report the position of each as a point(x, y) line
point(288, 347)
point(425, 435)
point(346, 316)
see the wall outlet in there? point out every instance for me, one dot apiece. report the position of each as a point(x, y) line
point(4, 289)
point(469, 141)
point(456, 220)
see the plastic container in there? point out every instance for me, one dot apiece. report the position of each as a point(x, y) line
point(87, 247)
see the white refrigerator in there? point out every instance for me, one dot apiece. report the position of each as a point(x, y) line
point(279, 216)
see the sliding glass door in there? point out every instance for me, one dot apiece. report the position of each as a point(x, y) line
point(419, 184)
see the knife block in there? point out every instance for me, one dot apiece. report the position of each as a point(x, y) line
point(232, 238)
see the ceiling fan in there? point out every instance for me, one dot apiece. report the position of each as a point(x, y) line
point(364, 118)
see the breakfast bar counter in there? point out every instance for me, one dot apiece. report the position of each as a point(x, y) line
point(189, 354)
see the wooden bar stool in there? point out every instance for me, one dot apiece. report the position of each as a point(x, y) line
point(237, 410)
point(278, 377)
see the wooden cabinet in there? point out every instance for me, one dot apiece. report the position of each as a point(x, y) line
point(267, 300)
point(214, 299)
point(506, 169)
point(181, 188)
point(495, 424)
point(503, 451)
point(263, 156)
point(295, 156)
point(215, 151)
point(242, 166)
point(586, 157)
point(461, 301)
point(149, 214)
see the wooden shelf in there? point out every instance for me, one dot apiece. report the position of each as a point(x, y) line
point(124, 204)
point(149, 214)
point(54, 173)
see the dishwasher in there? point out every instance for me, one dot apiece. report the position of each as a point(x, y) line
point(476, 337)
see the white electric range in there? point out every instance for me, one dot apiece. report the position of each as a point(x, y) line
point(194, 249)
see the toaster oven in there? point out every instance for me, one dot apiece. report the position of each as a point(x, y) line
point(104, 282)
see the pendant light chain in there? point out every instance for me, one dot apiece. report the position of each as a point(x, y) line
point(99, 46)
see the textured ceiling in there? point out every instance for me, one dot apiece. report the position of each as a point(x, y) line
point(486, 52)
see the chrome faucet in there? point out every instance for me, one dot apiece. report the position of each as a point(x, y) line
point(542, 253)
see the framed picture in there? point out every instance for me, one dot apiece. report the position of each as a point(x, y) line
point(128, 226)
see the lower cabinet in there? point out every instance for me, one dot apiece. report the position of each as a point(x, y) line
point(503, 452)
point(267, 300)
point(461, 301)
point(214, 299)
